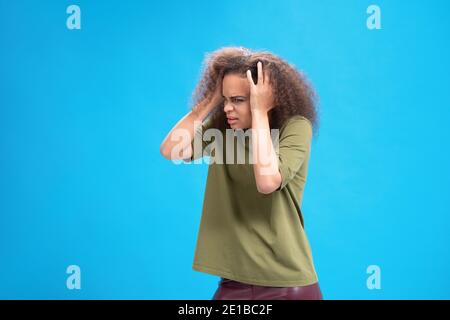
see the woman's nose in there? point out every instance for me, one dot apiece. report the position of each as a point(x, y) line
point(227, 107)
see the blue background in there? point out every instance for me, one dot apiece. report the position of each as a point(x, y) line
point(83, 113)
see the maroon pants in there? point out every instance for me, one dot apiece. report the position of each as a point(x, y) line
point(234, 290)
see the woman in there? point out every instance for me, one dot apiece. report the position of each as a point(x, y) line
point(251, 232)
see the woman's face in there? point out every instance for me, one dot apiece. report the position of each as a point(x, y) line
point(236, 92)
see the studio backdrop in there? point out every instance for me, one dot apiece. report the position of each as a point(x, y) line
point(89, 209)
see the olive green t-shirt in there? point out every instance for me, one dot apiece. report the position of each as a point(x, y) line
point(248, 236)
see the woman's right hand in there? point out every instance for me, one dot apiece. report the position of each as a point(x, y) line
point(216, 96)
point(210, 101)
point(198, 113)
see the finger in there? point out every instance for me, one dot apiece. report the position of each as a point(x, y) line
point(260, 73)
point(266, 76)
point(249, 77)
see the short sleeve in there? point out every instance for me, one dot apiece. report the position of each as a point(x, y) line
point(294, 147)
point(201, 149)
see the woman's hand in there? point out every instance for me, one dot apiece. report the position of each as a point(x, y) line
point(216, 97)
point(211, 101)
point(261, 94)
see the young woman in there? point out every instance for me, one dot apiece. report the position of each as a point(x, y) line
point(251, 231)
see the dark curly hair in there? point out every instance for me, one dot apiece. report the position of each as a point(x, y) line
point(293, 95)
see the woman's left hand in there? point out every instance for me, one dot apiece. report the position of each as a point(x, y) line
point(261, 94)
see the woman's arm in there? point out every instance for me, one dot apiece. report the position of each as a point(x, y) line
point(265, 159)
point(186, 126)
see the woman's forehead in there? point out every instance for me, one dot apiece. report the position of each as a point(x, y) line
point(235, 85)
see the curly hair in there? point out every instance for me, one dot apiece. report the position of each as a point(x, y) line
point(293, 95)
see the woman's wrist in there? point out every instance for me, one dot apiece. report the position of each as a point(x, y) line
point(259, 115)
point(201, 110)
